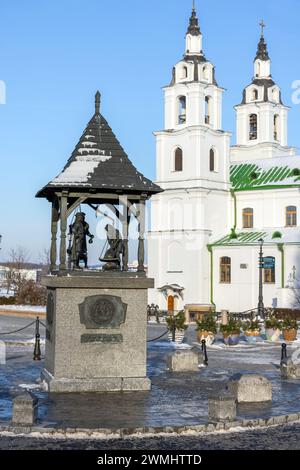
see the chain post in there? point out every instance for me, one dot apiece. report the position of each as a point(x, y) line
point(204, 351)
point(37, 343)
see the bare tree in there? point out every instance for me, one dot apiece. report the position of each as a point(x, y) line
point(45, 261)
point(17, 260)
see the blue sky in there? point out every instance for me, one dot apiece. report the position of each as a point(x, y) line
point(55, 54)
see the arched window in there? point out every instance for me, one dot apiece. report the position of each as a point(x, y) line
point(248, 218)
point(254, 95)
point(205, 73)
point(184, 72)
point(253, 127)
point(291, 216)
point(188, 43)
point(258, 69)
point(181, 109)
point(275, 95)
point(178, 159)
point(212, 160)
point(225, 270)
point(276, 127)
point(208, 103)
point(269, 270)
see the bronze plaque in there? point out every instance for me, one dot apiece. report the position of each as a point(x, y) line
point(102, 311)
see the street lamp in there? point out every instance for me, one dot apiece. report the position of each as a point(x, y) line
point(261, 308)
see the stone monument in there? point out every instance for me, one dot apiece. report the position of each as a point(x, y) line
point(96, 318)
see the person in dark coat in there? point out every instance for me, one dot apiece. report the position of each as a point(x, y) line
point(79, 231)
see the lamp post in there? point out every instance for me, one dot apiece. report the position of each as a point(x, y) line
point(261, 308)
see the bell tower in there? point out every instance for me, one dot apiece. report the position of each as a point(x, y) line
point(192, 166)
point(261, 118)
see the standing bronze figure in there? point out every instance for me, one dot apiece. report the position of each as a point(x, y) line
point(79, 230)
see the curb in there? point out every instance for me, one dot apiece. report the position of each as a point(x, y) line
point(104, 433)
point(22, 343)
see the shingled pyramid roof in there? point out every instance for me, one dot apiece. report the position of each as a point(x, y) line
point(99, 163)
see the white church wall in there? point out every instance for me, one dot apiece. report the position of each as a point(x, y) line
point(269, 207)
point(242, 293)
point(195, 144)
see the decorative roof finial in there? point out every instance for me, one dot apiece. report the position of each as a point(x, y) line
point(97, 102)
point(194, 28)
point(262, 50)
point(262, 25)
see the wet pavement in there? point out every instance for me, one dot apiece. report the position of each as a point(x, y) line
point(176, 399)
point(279, 438)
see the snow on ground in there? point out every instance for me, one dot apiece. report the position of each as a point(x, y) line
point(4, 293)
point(23, 308)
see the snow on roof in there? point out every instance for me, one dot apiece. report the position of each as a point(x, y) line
point(265, 173)
point(272, 236)
point(99, 162)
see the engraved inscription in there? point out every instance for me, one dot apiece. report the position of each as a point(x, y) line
point(101, 338)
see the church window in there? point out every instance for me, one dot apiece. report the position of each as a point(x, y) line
point(181, 110)
point(184, 72)
point(207, 110)
point(212, 160)
point(254, 95)
point(248, 218)
point(291, 216)
point(276, 127)
point(269, 273)
point(225, 270)
point(178, 160)
point(258, 69)
point(253, 127)
point(205, 73)
point(275, 94)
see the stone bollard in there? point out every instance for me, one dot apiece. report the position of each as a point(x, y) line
point(25, 409)
point(224, 317)
point(250, 388)
point(290, 370)
point(183, 361)
point(222, 408)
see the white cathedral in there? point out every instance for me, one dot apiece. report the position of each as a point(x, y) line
point(221, 202)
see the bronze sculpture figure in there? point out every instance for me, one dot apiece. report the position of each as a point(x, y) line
point(79, 230)
point(112, 256)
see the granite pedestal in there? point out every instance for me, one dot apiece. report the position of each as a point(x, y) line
point(96, 332)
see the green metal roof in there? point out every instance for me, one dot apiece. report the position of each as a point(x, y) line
point(245, 238)
point(271, 236)
point(265, 174)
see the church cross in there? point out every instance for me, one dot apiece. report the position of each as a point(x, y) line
point(262, 25)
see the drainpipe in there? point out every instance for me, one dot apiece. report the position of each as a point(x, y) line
point(210, 249)
point(280, 247)
point(232, 192)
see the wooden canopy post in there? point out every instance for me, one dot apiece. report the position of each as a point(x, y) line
point(54, 222)
point(141, 248)
point(63, 230)
point(125, 225)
